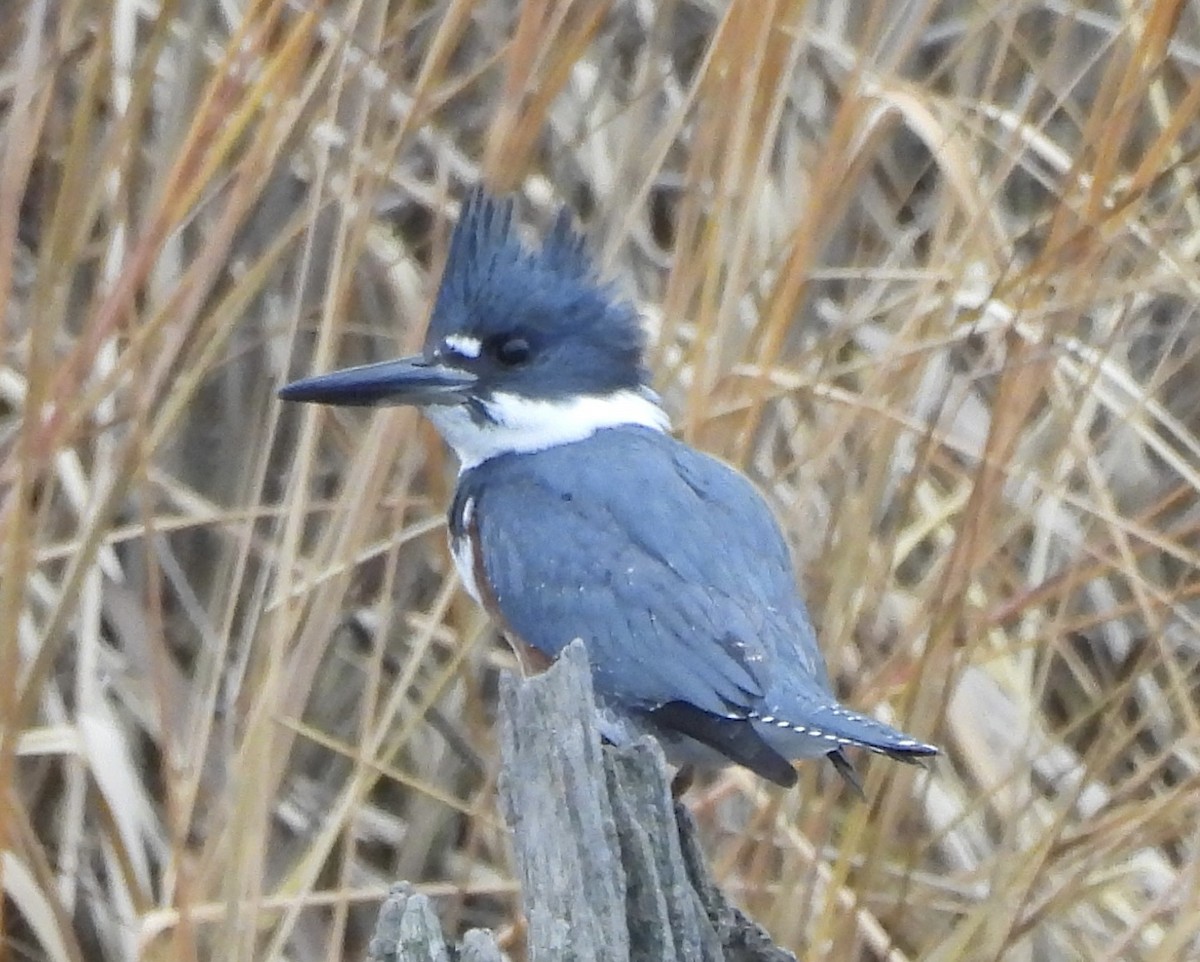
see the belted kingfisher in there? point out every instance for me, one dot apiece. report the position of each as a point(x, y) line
point(577, 515)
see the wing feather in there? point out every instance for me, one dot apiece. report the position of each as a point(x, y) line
point(664, 561)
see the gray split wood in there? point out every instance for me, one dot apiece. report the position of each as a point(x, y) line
point(609, 865)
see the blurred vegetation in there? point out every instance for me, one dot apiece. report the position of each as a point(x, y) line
point(928, 271)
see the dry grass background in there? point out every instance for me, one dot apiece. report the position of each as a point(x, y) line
point(928, 271)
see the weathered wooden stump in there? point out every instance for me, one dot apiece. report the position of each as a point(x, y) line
point(609, 866)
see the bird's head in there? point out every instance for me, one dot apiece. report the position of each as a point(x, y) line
point(526, 347)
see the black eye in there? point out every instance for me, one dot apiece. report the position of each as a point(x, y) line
point(511, 351)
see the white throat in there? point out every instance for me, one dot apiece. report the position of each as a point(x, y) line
point(521, 425)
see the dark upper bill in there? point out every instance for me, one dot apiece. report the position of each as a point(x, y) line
point(407, 380)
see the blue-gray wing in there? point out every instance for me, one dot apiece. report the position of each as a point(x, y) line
point(666, 562)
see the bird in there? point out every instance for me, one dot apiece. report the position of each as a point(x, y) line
point(578, 515)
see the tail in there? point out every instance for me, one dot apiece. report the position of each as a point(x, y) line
point(830, 728)
point(851, 727)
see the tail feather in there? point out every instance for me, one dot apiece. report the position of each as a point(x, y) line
point(841, 727)
point(845, 768)
point(734, 738)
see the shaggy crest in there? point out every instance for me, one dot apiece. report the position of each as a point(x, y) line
point(493, 288)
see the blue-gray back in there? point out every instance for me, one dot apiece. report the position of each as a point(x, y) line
point(667, 563)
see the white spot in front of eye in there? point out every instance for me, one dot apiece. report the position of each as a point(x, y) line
point(463, 345)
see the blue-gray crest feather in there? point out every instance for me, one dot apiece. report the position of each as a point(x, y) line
point(483, 244)
point(587, 339)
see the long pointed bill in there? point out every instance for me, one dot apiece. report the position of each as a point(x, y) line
point(407, 380)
